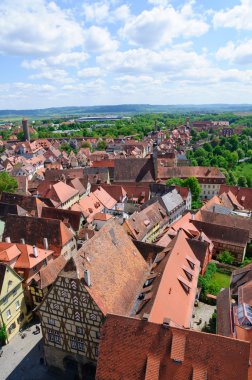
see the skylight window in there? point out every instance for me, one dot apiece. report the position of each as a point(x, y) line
point(188, 275)
point(192, 265)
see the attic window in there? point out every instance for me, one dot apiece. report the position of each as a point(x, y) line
point(188, 275)
point(185, 287)
point(192, 265)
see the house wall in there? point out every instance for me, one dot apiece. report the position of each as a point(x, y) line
point(12, 303)
point(208, 190)
point(69, 249)
point(237, 251)
point(66, 205)
point(71, 323)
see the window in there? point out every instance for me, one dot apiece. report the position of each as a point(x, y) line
point(73, 342)
point(54, 336)
point(80, 345)
point(44, 262)
point(98, 335)
point(8, 314)
point(188, 275)
point(14, 291)
point(51, 321)
point(5, 299)
point(17, 304)
point(185, 287)
point(20, 318)
point(79, 330)
point(192, 265)
point(35, 268)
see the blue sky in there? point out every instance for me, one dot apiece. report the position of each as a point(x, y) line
point(74, 53)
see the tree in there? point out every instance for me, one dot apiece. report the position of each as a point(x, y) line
point(7, 183)
point(242, 181)
point(225, 257)
point(101, 145)
point(174, 181)
point(86, 144)
point(194, 186)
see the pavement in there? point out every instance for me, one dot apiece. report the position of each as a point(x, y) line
point(204, 312)
point(21, 358)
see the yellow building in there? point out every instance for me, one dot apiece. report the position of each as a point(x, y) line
point(12, 304)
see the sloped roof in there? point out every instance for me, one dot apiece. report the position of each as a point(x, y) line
point(49, 273)
point(8, 251)
point(134, 170)
point(66, 216)
point(136, 349)
point(115, 191)
point(7, 208)
point(226, 220)
point(199, 172)
point(117, 269)
point(27, 259)
point(89, 206)
point(220, 233)
point(140, 223)
point(33, 230)
point(32, 204)
point(58, 192)
point(243, 194)
point(172, 291)
point(224, 326)
point(104, 198)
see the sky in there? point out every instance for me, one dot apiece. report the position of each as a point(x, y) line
point(81, 53)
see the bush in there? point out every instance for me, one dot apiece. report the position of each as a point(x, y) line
point(225, 257)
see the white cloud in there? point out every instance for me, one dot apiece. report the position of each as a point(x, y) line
point(36, 27)
point(142, 61)
point(159, 2)
point(90, 72)
point(159, 26)
point(239, 54)
point(238, 17)
point(103, 11)
point(63, 59)
point(55, 75)
point(99, 40)
point(96, 12)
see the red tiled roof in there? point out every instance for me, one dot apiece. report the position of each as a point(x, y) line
point(58, 192)
point(104, 198)
point(49, 273)
point(242, 194)
point(8, 251)
point(27, 260)
point(137, 349)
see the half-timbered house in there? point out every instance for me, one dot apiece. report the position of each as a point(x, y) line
point(106, 275)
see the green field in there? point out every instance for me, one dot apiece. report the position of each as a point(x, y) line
point(244, 169)
point(222, 279)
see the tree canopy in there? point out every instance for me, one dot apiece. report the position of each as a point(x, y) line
point(7, 183)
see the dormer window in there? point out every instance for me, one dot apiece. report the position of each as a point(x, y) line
point(185, 287)
point(188, 275)
point(192, 265)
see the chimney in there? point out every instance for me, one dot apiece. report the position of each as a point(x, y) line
point(7, 240)
point(22, 241)
point(146, 316)
point(35, 251)
point(45, 241)
point(86, 236)
point(193, 216)
point(166, 323)
point(87, 277)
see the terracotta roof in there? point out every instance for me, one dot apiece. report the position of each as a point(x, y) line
point(102, 216)
point(117, 269)
point(32, 204)
point(175, 285)
point(27, 260)
point(8, 251)
point(33, 230)
point(104, 198)
point(140, 223)
point(77, 185)
point(49, 273)
point(69, 217)
point(55, 174)
point(200, 172)
point(136, 349)
point(226, 220)
point(224, 325)
point(220, 233)
point(89, 206)
point(7, 208)
point(115, 191)
point(242, 194)
point(134, 170)
point(58, 192)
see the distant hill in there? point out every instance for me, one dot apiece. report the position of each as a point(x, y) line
point(124, 109)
